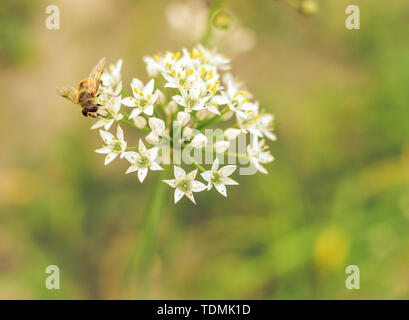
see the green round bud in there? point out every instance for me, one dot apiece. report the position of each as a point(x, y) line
point(222, 20)
point(309, 7)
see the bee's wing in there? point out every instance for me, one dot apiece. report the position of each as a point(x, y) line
point(96, 72)
point(68, 92)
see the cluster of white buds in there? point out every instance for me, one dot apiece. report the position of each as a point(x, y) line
point(189, 93)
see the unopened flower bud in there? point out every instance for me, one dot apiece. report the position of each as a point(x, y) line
point(222, 20)
point(187, 132)
point(227, 115)
point(161, 97)
point(199, 141)
point(183, 118)
point(172, 106)
point(221, 146)
point(139, 121)
point(157, 125)
point(231, 133)
point(152, 138)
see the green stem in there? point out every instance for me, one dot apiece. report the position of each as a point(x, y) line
point(130, 123)
point(146, 246)
point(217, 5)
point(197, 164)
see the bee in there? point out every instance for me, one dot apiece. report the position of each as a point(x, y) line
point(87, 93)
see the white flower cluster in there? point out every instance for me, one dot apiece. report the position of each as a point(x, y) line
point(195, 92)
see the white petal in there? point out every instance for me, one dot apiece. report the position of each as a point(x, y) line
point(206, 175)
point(155, 166)
point(179, 100)
point(215, 164)
point(148, 110)
point(107, 137)
point(171, 182)
point(142, 172)
point(178, 194)
point(136, 84)
point(227, 170)
point(190, 196)
point(270, 135)
point(179, 172)
point(142, 147)
point(119, 133)
point(131, 169)
point(230, 182)
point(220, 100)
point(135, 112)
point(152, 153)
point(109, 123)
point(148, 89)
point(100, 123)
point(192, 174)
point(131, 156)
point(197, 186)
point(221, 188)
point(110, 157)
point(128, 101)
point(104, 150)
point(213, 109)
point(256, 132)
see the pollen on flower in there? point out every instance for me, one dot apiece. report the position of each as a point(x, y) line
point(184, 185)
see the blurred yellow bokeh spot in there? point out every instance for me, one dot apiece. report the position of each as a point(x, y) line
point(331, 249)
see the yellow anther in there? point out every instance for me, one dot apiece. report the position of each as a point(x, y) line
point(206, 61)
point(179, 75)
point(141, 93)
point(173, 72)
point(136, 90)
point(157, 58)
point(177, 55)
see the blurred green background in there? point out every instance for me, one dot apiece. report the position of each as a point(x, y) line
point(336, 195)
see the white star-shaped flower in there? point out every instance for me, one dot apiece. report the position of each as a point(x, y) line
point(114, 146)
point(143, 99)
point(259, 154)
point(185, 184)
point(142, 161)
point(112, 80)
point(110, 109)
point(219, 177)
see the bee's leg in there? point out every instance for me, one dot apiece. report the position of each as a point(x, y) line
point(85, 112)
